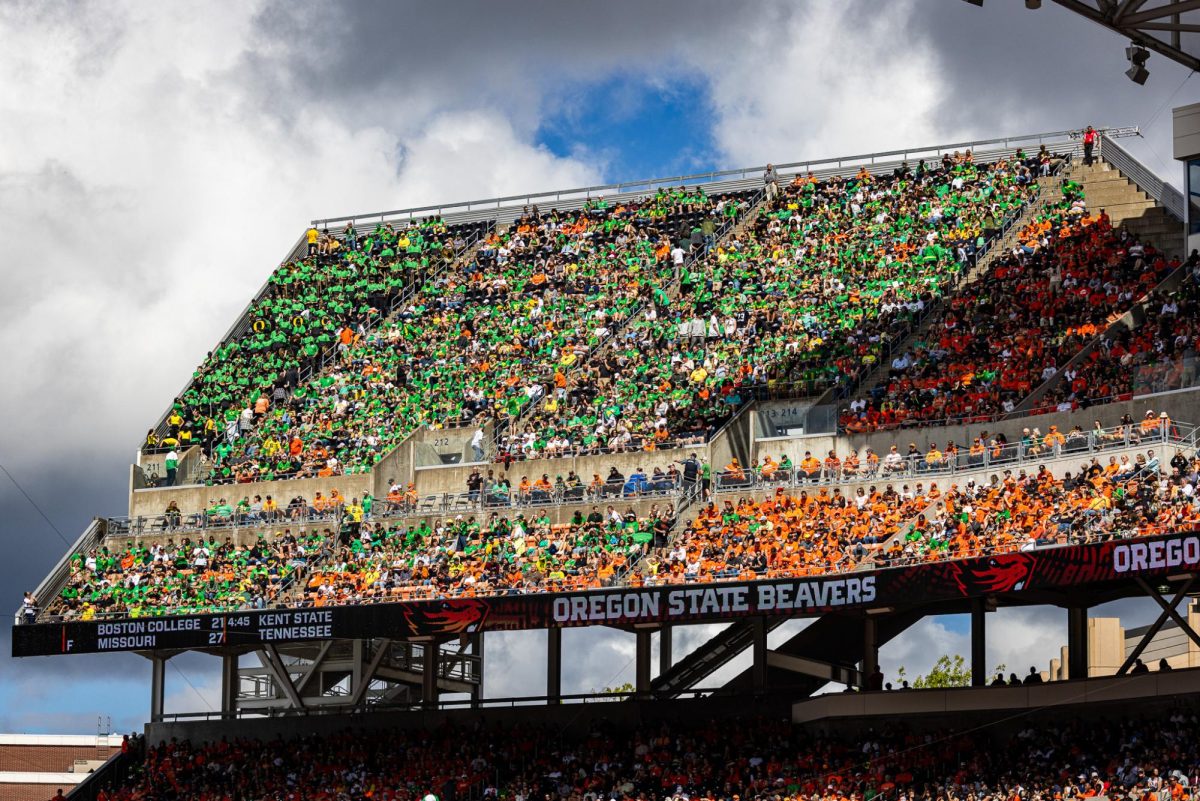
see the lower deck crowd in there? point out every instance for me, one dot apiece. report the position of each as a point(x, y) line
point(759, 759)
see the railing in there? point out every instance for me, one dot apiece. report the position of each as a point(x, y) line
point(47, 591)
point(114, 773)
point(1012, 455)
point(206, 523)
point(890, 157)
point(1166, 194)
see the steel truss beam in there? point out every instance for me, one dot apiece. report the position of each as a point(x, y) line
point(351, 673)
point(1169, 612)
point(1127, 19)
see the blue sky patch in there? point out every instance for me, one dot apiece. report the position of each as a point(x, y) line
point(633, 126)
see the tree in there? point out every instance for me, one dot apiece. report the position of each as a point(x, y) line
point(946, 672)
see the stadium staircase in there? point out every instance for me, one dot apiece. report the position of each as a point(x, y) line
point(1130, 206)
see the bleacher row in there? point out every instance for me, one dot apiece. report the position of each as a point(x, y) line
point(817, 518)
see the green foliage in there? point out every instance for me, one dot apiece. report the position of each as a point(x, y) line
point(946, 672)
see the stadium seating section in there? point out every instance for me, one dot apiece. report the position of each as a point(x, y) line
point(186, 576)
point(498, 555)
point(372, 554)
point(807, 293)
point(1014, 327)
point(310, 305)
point(757, 758)
point(1157, 356)
point(476, 341)
point(631, 325)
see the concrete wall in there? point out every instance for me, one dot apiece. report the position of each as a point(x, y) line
point(196, 498)
point(1185, 131)
point(431, 444)
point(151, 466)
point(396, 466)
point(795, 447)
point(776, 416)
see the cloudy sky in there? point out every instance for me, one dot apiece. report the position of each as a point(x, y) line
point(156, 160)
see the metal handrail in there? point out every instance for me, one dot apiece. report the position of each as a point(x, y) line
point(1163, 192)
point(743, 173)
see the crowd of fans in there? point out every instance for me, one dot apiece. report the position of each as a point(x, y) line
point(1139, 497)
point(1016, 326)
point(187, 576)
point(756, 759)
point(830, 530)
point(474, 342)
point(344, 285)
point(371, 556)
point(1155, 356)
point(810, 291)
point(465, 556)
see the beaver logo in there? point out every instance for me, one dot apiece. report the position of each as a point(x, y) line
point(446, 616)
point(1006, 572)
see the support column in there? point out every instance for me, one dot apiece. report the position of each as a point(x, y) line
point(642, 660)
point(759, 647)
point(666, 657)
point(477, 650)
point(429, 677)
point(1077, 642)
point(554, 666)
point(229, 685)
point(979, 669)
point(870, 660)
point(158, 682)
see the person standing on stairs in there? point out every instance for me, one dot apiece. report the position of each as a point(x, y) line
point(1089, 142)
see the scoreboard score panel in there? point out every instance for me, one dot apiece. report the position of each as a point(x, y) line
point(1050, 568)
point(282, 625)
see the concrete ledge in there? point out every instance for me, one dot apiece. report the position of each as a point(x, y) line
point(1147, 686)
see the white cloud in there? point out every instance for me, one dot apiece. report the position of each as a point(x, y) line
point(824, 80)
point(145, 195)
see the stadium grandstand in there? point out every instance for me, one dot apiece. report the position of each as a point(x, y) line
point(864, 390)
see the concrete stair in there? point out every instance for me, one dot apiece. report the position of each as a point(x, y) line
point(1107, 188)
